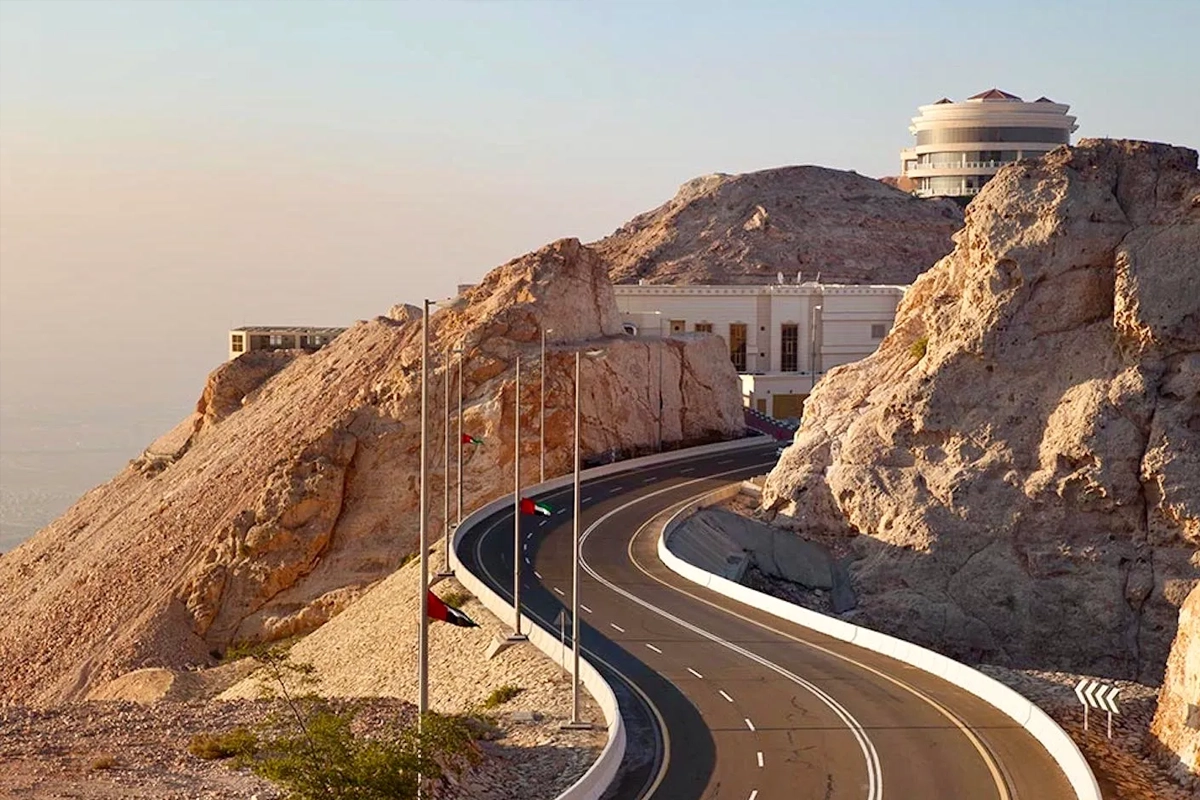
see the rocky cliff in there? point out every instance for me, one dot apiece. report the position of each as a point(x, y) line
point(746, 228)
point(294, 485)
point(1177, 721)
point(1018, 460)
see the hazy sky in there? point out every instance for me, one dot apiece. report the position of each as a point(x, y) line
point(171, 169)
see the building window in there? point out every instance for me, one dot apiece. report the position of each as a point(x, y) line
point(878, 331)
point(678, 326)
point(237, 343)
point(276, 340)
point(789, 348)
point(993, 134)
point(737, 345)
point(703, 327)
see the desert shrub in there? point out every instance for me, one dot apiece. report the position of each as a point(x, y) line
point(918, 348)
point(238, 742)
point(455, 599)
point(102, 762)
point(501, 695)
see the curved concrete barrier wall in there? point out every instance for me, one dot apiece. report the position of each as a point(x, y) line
point(596, 780)
point(1039, 725)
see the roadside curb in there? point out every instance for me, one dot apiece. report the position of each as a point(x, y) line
point(600, 775)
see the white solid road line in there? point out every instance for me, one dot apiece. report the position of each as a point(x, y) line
point(749, 724)
point(560, 591)
point(760, 761)
point(697, 674)
point(618, 627)
point(585, 608)
point(652, 647)
point(870, 754)
point(727, 697)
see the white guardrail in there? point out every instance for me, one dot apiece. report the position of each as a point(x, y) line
point(1039, 725)
point(596, 780)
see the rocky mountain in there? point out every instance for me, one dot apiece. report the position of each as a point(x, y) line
point(747, 228)
point(293, 487)
point(1017, 463)
point(1177, 721)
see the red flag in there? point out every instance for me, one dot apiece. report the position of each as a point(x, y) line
point(469, 439)
point(439, 610)
point(530, 507)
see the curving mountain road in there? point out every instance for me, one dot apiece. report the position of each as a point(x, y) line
point(722, 700)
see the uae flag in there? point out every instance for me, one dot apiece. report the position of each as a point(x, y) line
point(530, 507)
point(439, 610)
point(469, 439)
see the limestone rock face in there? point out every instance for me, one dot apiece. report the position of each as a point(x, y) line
point(297, 488)
point(1177, 721)
point(1020, 456)
point(746, 228)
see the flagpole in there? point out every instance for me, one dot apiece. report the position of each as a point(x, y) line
point(517, 506)
point(460, 442)
point(446, 571)
point(423, 629)
point(575, 568)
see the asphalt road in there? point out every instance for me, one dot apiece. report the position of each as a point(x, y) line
point(722, 700)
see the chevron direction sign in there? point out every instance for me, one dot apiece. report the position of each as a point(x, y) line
point(1099, 696)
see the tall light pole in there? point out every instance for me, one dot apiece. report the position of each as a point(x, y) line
point(516, 634)
point(812, 358)
point(446, 527)
point(423, 629)
point(461, 355)
point(576, 722)
point(542, 412)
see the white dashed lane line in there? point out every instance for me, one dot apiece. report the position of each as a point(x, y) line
point(697, 674)
point(542, 522)
point(538, 574)
point(749, 724)
point(614, 490)
point(726, 461)
point(560, 591)
point(688, 469)
point(652, 647)
point(651, 479)
point(727, 697)
point(754, 794)
point(586, 500)
point(585, 608)
point(760, 761)
point(618, 627)
point(562, 511)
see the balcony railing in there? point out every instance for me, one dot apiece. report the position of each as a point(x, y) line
point(961, 191)
point(960, 165)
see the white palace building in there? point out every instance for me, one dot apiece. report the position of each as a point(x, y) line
point(960, 146)
point(781, 337)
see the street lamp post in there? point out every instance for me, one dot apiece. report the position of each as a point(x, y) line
point(542, 412)
point(423, 629)
point(447, 528)
point(461, 356)
point(661, 345)
point(516, 634)
point(576, 722)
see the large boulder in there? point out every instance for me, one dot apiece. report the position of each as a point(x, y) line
point(1018, 459)
point(1177, 721)
point(297, 488)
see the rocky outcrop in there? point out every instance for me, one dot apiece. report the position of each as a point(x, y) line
point(1177, 720)
point(1018, 458)
point(812, 220)
point(297, 493)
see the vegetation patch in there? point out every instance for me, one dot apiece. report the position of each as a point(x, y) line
point(918, 348)
point(456, 599)
point(239, 742)
point(502, 695)
point(102, 762)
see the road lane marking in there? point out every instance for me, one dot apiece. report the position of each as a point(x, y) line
point(618, 627)
point(538, 574)
point(866, 746)
point(526, 559)
point(585, 608)
point(697, 674)
point(615, 489)
point(542, 522)
point(760, 761)
point(754, 794)
point(651, 479)
point(562, 511)
point(587, 499)
point(749, 724)
point(727, 697)
point(560, 591)
point(726, 461)
point(652, 647)
point(688, 469)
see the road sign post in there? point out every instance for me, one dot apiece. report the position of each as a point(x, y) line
point(1099, 696)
